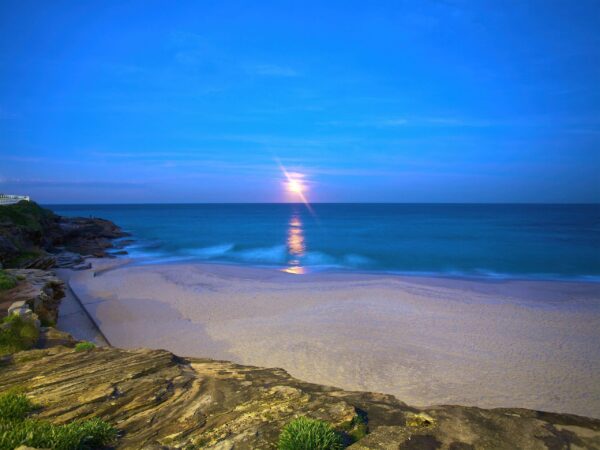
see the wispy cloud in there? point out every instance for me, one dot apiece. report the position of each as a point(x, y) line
point(393, 122)
point(272, 70)
point(441, 121)
point(23, 159)
point(466, 122)
point(35, 183)
point(141, 155)
point(192, 49)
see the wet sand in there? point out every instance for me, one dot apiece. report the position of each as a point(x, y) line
point(73, 318)
point(531, 344)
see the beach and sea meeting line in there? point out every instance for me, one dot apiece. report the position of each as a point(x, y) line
point(488, 241)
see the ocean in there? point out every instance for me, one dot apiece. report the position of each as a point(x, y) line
point(457, 240)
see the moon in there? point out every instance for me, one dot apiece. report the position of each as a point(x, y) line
point(295, 186)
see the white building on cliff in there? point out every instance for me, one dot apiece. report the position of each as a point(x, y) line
point(7, 199)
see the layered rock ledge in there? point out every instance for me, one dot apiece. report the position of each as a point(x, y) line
point(159, 400)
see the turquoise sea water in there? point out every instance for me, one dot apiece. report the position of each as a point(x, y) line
point(522, 241)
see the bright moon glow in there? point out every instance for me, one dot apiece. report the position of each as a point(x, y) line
point(295, 186)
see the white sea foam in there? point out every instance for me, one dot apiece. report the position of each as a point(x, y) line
point(355, 260)
point(265, 255)
point(211, 252)
point(319, 259)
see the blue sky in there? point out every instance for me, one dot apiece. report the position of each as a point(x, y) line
point(423, 101)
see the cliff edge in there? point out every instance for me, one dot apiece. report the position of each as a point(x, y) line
point(158, 400)
point(36, 238)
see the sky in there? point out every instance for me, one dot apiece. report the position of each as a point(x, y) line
point(206, 101)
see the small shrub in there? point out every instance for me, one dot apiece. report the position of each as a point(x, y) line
point(14, 405)
point(6, 281)
point(84, 346)
point(17, 429)
point(309, 434)
point(20, 334)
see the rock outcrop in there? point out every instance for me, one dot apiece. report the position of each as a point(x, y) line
point(158, 400)
point(41, 290)
point(35, 237)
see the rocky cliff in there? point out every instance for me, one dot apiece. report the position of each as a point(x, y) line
point(35, 237)
point(158, 400)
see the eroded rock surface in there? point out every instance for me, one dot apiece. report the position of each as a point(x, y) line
point(159, 400)
point(87, 236)
point(41, 290)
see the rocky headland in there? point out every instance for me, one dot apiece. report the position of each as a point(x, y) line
point(158, 400)
point(35, 237)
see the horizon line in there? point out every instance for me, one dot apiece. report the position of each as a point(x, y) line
point(321, 203)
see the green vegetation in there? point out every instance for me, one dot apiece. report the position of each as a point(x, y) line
point(14, 405)
point(16, 428)
point(357, 428)
point(84, 346)
point(28, 215)
point(23, 225)
point(6, 281)
point(309, 434)
point(23, 258)
point(17, 334)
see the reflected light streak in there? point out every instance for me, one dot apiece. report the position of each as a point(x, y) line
point(295, 246)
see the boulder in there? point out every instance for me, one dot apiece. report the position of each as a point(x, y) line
point(18, 308)
point(22, 310)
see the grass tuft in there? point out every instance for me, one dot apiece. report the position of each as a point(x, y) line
point(309, 434)
point(17, 334)
point(84, 346)
point(17, 429)
point(6, 281)
point(14, 405)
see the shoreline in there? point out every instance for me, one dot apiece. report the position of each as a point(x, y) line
point(483, 276)
point(425, 340)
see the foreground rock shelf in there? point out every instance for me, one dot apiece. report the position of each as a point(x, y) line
point(159, 400)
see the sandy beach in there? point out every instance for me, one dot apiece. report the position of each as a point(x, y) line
point(530, 344)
